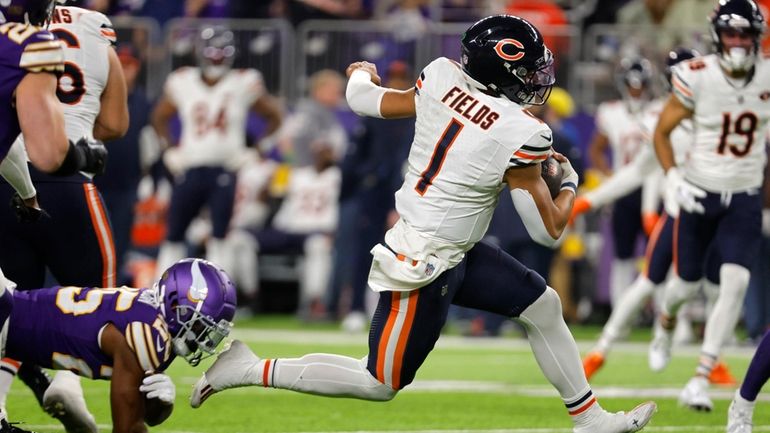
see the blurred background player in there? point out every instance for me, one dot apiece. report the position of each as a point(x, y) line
point(620, 129)
point(30, 56)
point(432, 256)
point(304, 225)
point(717, 189)
point(213, 101)
point(371, 174)
point(659, 251)
point(127, 336)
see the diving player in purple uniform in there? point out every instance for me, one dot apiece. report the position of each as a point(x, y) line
point(125, 335)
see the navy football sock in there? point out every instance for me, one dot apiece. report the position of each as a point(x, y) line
point(759, 370)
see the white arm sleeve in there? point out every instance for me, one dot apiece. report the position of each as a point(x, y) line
point(527, 209)
point(625, 180)
point(364, 97)
point(651, 191)
point(15, 170)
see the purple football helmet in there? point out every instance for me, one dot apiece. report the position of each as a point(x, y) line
point(198, 301)
point(35, 12)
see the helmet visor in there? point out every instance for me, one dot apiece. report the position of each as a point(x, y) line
point(541, 82)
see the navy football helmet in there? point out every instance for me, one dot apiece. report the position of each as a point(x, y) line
point(634, 81)
point(742, 16)
point(507, 55)
point(216, 51)
point(675, 56)
point(35, 12)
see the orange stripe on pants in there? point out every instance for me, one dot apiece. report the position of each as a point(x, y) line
point(398, 358)
point(653, 241)
point(382, 349)
point(675, 246)
point(103, 234)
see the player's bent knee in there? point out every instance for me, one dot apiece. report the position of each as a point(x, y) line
point(545, 309)
point(735, 281)
point(317, 244)
point(679, 291)
point(376, 391)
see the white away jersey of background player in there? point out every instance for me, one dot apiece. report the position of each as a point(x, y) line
point(87, 35)
point(730, 121)
point(681, 138)
point(464, 142)
point(623, 129)
point(311, 204)
point(213, 117)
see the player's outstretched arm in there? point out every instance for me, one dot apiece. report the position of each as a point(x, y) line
point(269, 109)
point(127, 402)
point(672, 114)
point(543, 217)
point(366, 98)
point(41, 120)
point(112, 121)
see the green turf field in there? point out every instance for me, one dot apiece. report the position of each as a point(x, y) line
point(478, 385)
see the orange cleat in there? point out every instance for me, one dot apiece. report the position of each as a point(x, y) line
point(592, 362)
point(721, 375)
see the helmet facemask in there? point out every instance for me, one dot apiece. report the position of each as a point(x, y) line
point(737, 19)
point(216, 52)
point(198, 335)
point(533, 86)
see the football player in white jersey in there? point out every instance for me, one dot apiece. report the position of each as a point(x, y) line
point(93, 96)
point(213, 102)
point(727, 95)
point(619, 127)
point(659, 248)
point(473, 138)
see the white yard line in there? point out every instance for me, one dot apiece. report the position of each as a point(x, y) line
point(331, 338)
point(472, 386)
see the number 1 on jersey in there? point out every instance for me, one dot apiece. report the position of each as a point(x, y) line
point(439, 155)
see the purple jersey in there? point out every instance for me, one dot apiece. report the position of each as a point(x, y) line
point(61, 328)
point(23, 48)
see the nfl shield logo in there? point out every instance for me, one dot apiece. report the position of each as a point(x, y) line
point(429, 268)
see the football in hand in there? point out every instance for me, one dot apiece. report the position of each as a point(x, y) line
point(552, 173)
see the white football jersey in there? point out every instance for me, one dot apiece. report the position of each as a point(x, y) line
point(681, 137)
point(87, 37)
point(624, 130)
point(311, 204)
point(464, 142)
point(213, 117)
point(249, 209)
point(730, 120)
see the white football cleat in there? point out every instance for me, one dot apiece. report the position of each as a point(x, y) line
point(236, 366)
point(659, 353)
point(619, 422)
point(63, 400)
point(739, 417)
point(695, 395)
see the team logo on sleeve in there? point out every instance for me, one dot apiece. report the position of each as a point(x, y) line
point(764, 95)
point(514, 46)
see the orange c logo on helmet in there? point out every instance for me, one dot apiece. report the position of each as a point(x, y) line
point(506, 56)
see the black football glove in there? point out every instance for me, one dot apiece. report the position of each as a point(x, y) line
point(95, 155)
point(25, 214)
